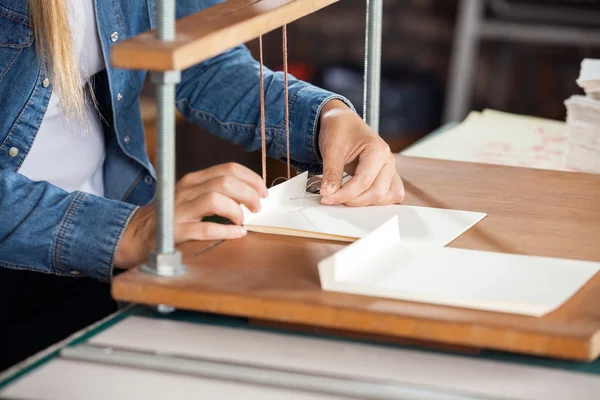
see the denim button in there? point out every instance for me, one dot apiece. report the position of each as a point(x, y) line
point(46, 82)
point(13, 152)
point(119, 97)
point(127, 139)
point(74, 272)
point(148, 180)
point(114, 36)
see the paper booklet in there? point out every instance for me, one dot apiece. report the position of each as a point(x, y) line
point(290, 210)
point(383, 264)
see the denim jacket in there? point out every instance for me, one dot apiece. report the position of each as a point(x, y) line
point(45, 229)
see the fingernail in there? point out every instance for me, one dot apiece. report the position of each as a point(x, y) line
point(243, 231)
point(326, 200)
point(327, 186)
point(265, 194)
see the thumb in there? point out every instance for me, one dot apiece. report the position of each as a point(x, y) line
point(333, 172)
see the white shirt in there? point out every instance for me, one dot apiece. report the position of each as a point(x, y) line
point(72, 159)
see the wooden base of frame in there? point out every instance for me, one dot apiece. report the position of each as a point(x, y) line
point(275, 278)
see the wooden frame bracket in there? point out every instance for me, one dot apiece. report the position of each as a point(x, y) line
point(208, 33)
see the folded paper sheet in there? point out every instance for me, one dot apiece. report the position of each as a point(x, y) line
point(290, 210)
point(384, 265)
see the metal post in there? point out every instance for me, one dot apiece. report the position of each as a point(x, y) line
point(165, 260)
point(372, 90)
point(464, 55)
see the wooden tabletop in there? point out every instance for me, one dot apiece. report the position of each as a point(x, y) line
point(530, 211)
point(534, 212)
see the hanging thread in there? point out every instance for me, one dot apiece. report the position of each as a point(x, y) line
point(287, 107)
point(262, 114)
point(262, 107)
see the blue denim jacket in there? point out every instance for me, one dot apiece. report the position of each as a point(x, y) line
point(44, 228)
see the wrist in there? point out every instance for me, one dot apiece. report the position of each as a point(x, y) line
point(332, 110)
point(135, 243)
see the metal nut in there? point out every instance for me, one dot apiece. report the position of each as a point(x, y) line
point(165, 264)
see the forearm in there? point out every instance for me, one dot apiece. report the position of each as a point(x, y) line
point(222, 95)
point(48, 230)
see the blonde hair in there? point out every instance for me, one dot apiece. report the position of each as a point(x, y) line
point(54, 44)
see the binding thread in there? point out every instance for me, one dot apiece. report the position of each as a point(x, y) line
point(262, 107)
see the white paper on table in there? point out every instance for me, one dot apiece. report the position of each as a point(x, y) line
point(290, 208)
point(493, 137)
point(384, 265)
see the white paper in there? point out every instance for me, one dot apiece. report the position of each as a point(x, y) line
point(384, 265)
point(499, 138)
point(583, 119)
point(289, 207)
point(589, 71)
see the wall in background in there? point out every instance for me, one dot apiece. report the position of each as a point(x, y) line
point(418, 34)
point(417, 45)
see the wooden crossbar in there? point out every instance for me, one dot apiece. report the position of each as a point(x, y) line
point(210, 32)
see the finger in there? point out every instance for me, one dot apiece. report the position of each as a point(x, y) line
point(369, 164)
point(396, 193)
point(227, 185)
point(230, 169)
point(334, 160)
point(210, 231)
point(378, 190)
point(210, 204)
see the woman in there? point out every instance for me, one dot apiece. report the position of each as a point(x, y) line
point(76, 186)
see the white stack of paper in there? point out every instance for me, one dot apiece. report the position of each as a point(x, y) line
point(589, 77)
point(583, 121)
point(290, 210)
point(382, 264)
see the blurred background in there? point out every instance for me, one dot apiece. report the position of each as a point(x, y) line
point(441, 59)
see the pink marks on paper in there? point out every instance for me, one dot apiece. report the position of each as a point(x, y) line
point(543, 150)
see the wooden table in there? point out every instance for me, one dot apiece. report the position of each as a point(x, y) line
point(535, 212)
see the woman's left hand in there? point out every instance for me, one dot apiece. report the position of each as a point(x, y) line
point(348, 144)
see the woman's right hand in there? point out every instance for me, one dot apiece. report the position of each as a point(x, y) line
point(219, 190)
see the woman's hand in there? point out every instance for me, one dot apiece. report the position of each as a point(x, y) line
point(219, 190)
point(348, 144)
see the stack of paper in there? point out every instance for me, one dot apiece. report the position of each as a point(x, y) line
point(589, 77)
point(583, 121)
point(382, 264)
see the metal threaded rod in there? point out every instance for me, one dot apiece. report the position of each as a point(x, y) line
point(372, 76)
point(165, 240)
point(165, 260)
point(165, 20)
